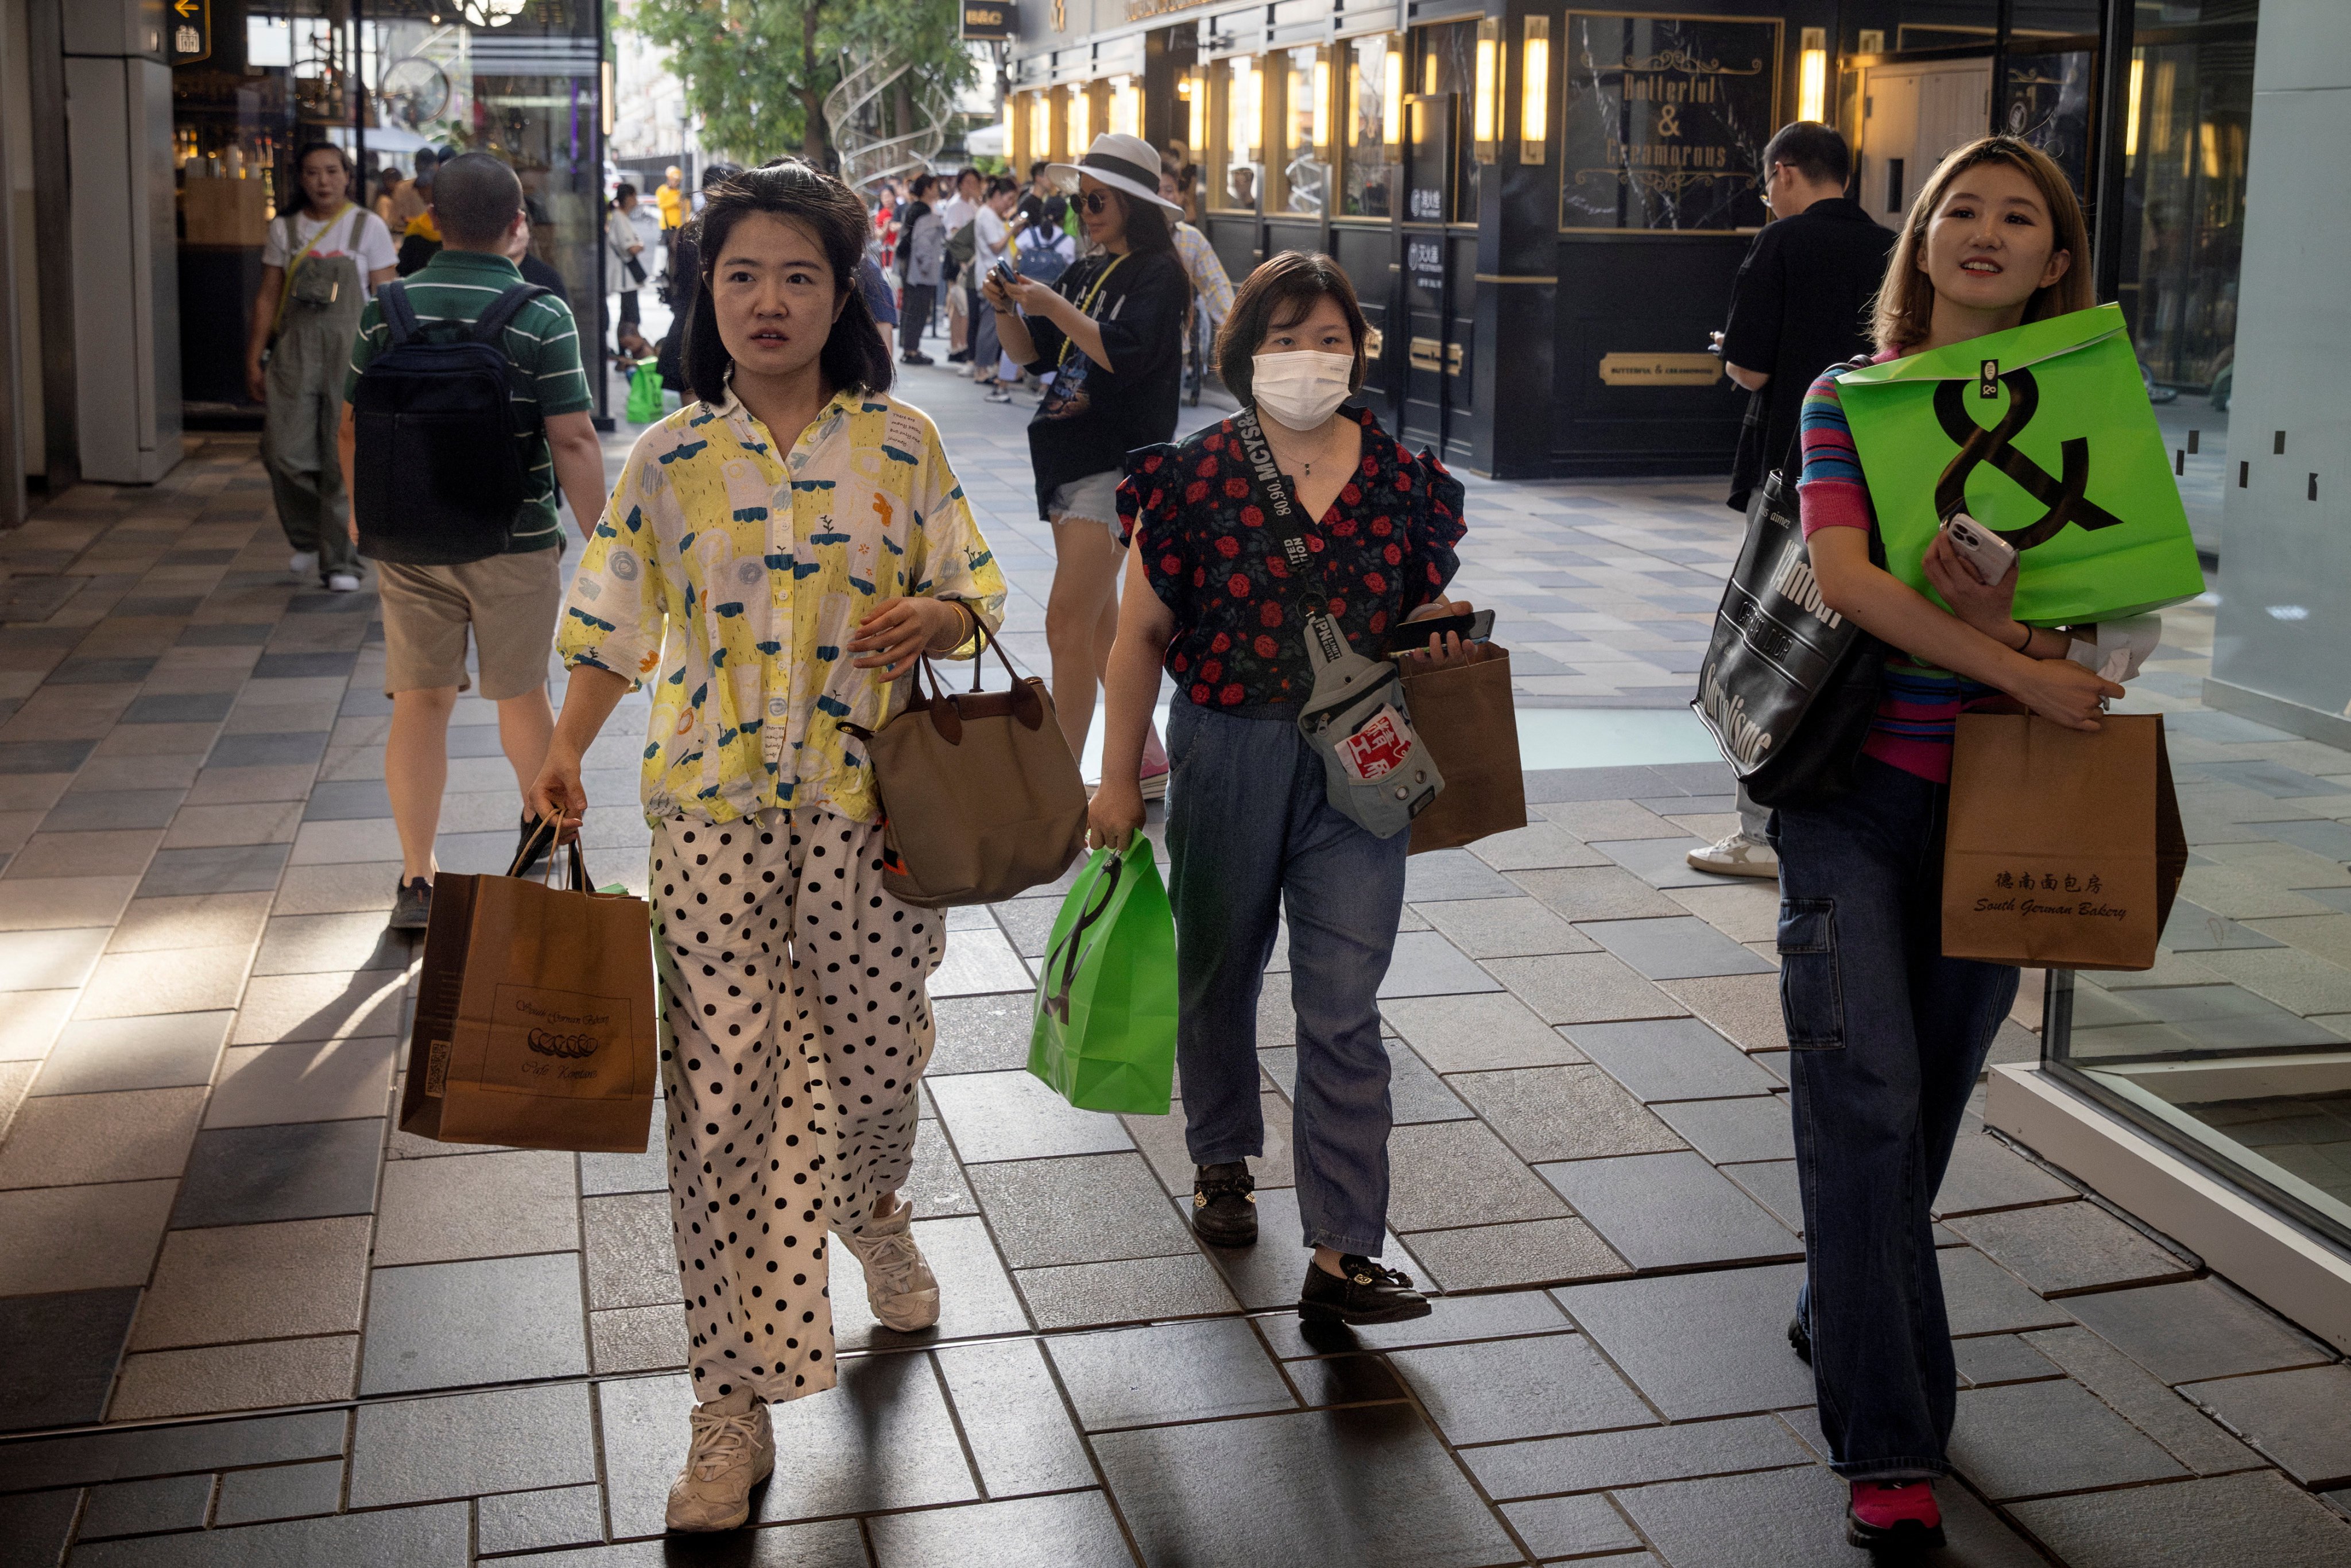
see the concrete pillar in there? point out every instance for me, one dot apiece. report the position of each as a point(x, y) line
point(2285, 613)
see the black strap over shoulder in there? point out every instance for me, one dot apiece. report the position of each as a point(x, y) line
point(1274, 491)
point(503, 311)
point(398, 317)
point(1793, 466)
point(1287, 518)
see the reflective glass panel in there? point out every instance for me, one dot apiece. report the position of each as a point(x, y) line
point(1236, 132)
point(1301, 179)
point(1375, 70)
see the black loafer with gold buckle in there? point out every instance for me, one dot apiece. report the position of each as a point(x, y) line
point(1366, 1294)
point(1224, 1204)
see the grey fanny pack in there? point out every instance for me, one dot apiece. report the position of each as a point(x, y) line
point(1375, 770)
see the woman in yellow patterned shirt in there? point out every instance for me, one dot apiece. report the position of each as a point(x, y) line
point(776, 555)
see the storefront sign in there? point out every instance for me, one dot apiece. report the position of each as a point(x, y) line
point(1660, 370)
point(191, 29)
point(990, 18)
point(1144, 10)
point(1423, 264)
point(1667, 118)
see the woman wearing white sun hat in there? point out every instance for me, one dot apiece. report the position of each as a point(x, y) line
point(1110, 331)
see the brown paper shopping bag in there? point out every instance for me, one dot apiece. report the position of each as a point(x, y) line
point(1470, 725)
point(535, 1017)
point(2064, 848)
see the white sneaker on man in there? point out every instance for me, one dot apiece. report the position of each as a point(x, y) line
point(304, 564)
point(733, 1450)
point(342, 582)
point(1736, 855)
point(899, 1286)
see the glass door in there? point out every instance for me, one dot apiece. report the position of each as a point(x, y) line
point(2187, 141)
point(1428, 174)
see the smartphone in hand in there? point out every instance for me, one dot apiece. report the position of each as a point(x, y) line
point(1986, 552)
point(1411, 636)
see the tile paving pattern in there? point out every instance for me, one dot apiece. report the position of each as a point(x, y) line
point(249, 1321)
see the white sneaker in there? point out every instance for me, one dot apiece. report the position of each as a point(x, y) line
point(899, 1286)
point(342, 582)
point(304, 564)
point(1736, 855)
point(733, 1450)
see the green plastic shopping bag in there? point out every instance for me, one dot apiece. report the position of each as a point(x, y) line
point(645, 393)
point(2043, 433)
point(1105, 1036)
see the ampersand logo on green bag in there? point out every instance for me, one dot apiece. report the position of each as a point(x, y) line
point(2063, 495)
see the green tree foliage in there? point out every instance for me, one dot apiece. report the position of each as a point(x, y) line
point(756, 71)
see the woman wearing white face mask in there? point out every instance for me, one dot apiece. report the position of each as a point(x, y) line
point(1210, 598)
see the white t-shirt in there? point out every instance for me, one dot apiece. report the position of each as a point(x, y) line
point(989, 235)
point(955, 211)
point(359, 234)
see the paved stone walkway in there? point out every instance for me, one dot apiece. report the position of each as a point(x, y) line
point(245, 1322)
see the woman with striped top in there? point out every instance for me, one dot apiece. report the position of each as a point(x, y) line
point(1889, 1035)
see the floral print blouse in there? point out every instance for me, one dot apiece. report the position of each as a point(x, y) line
point(730, 577)
point(1384, 549)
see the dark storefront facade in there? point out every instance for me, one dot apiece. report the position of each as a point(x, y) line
point(1544, 206)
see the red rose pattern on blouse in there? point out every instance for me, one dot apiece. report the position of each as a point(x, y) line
point(1385, 548)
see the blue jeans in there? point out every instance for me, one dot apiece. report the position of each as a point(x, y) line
point(1888, 1036)
point(1250, 831)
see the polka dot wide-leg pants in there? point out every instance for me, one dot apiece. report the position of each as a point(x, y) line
point(794, 1028)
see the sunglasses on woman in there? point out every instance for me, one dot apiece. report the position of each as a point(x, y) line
point(1095, 202)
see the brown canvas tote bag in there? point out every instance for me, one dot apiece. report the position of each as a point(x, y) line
point(1470, 725)
point(2064, 848)
point(981, 799)
point(535, 1015)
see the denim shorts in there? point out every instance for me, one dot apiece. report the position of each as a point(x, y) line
point(1093, 498)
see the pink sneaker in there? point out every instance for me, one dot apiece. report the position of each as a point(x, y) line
point(1894, 1513)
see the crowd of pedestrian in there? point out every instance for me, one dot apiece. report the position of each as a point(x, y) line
point(784, 548)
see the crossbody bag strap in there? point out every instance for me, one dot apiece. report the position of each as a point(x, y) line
point(285, 284)
point(1325, 642)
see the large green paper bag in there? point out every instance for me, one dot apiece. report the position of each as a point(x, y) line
point(1105, 1036)
point(2043, 433)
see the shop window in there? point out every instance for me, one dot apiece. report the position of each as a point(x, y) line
point(1448, 64)
point(521, 83)
point(1301, 180)
point(1892, 26)
point(1372, 169)
point(1235, 134)
point(1078, 133)
point(1124, 100)
point(1192, 112)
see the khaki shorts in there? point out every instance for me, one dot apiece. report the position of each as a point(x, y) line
point(511, 602)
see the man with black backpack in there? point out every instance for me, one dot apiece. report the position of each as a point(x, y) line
point(465, 409)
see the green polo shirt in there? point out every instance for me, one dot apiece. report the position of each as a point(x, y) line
point(542, 343)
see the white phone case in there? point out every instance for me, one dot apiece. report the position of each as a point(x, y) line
point(1986, 551)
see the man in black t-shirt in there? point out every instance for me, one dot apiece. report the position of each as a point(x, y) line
point(1803, 298)
point(1801, 304)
